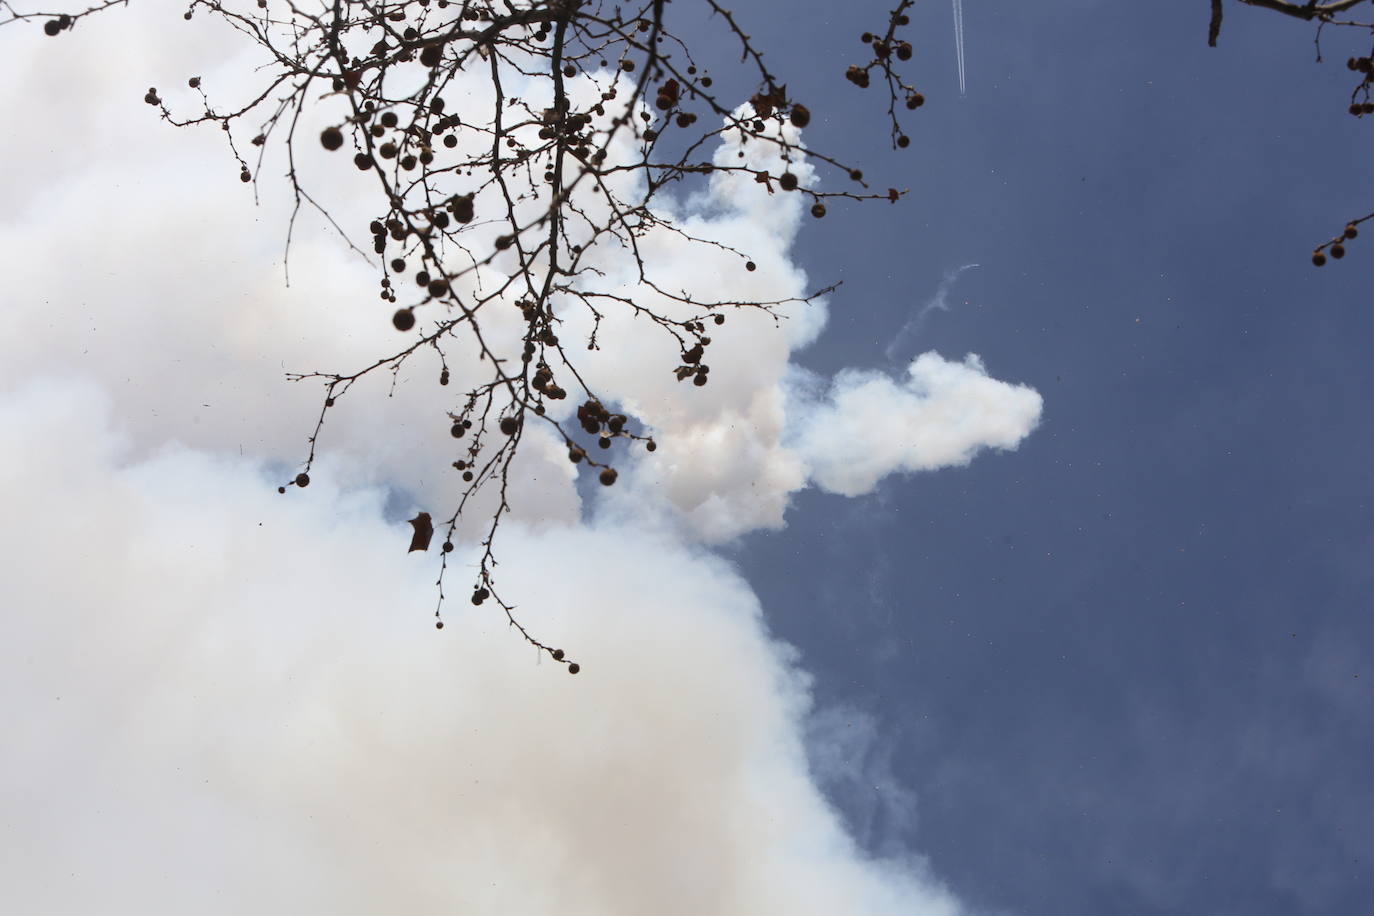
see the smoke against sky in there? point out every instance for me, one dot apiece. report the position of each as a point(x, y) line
point(228, 700)
point(941, 415)
point(208, 712)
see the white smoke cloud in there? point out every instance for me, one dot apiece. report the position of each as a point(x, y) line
point(218, 699)
point(734, 453)
point(940, 415)
point(226, 700)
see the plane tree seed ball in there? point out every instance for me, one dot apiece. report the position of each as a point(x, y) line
point(302, 479)
point(608, 476)
point(331, 138)
point(404, 319)
point(574, 667)
point(857, 75)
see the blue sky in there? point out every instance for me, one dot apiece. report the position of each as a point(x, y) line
point(1124, 669)
point(1120, 668)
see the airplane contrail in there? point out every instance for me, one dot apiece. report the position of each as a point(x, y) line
point(959, 40)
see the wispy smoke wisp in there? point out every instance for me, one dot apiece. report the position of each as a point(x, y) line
point(938, 302)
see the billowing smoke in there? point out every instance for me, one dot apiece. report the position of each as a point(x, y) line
point(940, 415)
point(220, 699)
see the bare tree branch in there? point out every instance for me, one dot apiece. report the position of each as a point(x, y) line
point(1361, 102)
point(580, 115)
point(1307, 11)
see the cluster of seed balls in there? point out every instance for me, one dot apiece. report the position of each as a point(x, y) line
point(1335, 247)
point(884, 50)
point(1363, 65)
point(57, 26)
